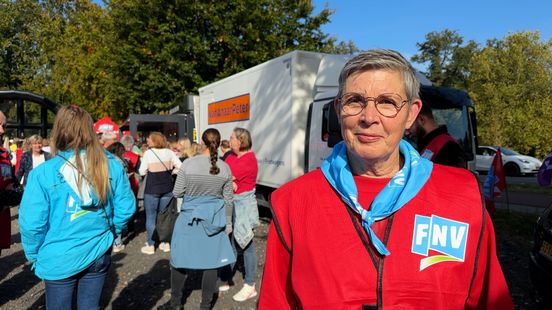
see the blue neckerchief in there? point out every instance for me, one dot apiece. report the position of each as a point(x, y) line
point(401, 188)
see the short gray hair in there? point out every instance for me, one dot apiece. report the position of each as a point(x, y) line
point(127, 141)
point(382, 59)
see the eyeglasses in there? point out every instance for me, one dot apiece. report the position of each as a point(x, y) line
point(387, 105)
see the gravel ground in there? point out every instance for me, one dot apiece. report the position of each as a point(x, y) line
point(138, 281)
point(135, 280)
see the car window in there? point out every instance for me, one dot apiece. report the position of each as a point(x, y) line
point(507, 151)
point(487, 151)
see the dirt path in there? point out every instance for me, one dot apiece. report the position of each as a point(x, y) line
point(138, 281)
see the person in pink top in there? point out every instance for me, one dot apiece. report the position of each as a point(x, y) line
point(243, 165)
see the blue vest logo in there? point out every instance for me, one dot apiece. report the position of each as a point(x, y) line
point(442, 235)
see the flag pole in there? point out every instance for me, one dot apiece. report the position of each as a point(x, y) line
point(507, 196)
point(499, 172)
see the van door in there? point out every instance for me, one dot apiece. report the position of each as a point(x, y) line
point(316, 146)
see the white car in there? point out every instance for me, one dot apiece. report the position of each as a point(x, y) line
point(514, 163)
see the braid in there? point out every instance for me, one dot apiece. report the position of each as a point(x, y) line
point(214, 157)
point(211, 139)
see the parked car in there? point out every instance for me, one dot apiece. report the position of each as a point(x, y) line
point(514, 163)
point(540, 258)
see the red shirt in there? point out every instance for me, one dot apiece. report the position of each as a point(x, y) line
point(317, 258)
point(133, 159)
point(5, 217)
point(244, 170)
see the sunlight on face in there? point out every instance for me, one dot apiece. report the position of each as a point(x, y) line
point(36, 147)
point(370, 137)
point(234, 143)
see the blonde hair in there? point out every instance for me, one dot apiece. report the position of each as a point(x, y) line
point(74, 130)
point(35, 139)
point(244, 137)
point(158, 140)
point(185, 147)
point(196, 149)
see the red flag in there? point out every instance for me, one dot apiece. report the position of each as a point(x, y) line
point(495, 183)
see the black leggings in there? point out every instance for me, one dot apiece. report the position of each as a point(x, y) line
point(208, 286)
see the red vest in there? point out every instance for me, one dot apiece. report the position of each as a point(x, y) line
point(443, 254)
point(6, 174)
point(434, 146)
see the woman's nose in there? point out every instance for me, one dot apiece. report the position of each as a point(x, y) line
point(370, 112)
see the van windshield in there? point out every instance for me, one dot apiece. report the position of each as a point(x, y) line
point(457, 121)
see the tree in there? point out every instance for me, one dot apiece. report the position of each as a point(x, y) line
point(16, 40)
point(162, 50)
point(510, 81)
point(447, 59)
point(134, 56)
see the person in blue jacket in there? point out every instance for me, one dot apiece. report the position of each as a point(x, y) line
point(72, 207)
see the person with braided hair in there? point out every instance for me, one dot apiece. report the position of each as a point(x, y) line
point(200, 237)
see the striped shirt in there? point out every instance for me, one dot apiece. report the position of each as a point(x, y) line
point(194, 179)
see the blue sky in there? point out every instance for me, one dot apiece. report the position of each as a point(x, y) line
point(399, 25)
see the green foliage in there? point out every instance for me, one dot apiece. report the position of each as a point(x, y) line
point(165, 49)
point(510, 81)
point(17, 46)
point(134, 56)
point(447, 59)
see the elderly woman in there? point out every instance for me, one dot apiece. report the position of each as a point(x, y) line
point(378, 226)
point(243, 164)
point(31, 159)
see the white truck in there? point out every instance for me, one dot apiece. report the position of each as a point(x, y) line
point(286, 104)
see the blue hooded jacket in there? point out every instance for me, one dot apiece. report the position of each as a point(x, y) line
point(62, 231)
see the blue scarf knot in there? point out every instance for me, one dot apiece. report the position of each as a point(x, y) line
point(402, 187)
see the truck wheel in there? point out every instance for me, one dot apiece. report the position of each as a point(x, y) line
point(512, 169)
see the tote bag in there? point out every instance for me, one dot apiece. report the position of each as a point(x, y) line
point(164, 225)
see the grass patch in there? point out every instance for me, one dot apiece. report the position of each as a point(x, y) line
point(530, 188)
point(513, 224)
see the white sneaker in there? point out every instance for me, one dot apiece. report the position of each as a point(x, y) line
point(224, 288)
point(247, 292)
point(118, 248)
point(148, 249)
point(165, 247)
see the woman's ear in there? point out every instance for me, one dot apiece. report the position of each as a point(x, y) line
point(413, 112)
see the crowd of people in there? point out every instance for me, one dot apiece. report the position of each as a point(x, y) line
point(80, 199)
point(367, 230)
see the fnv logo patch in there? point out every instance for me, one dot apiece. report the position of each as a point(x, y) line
point(442, 235)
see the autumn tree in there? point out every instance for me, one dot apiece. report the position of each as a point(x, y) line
point(162, 50)
point(511, 82)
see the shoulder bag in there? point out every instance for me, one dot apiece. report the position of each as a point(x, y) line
point(164, 224)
